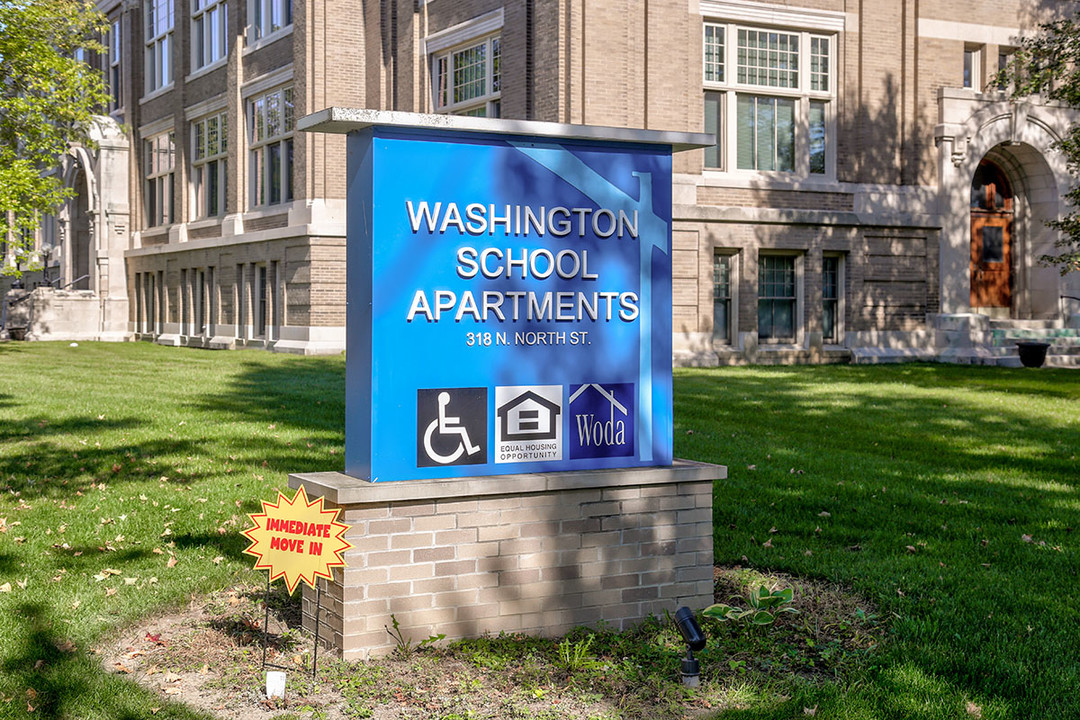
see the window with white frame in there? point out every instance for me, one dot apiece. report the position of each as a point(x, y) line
point(832, 283)
point(972, 69)
point(115, 75)
point(723, 291)
point(271, 131)
point(777, 298)
point(267, 17)
point(209, 32)
point(769, 97)
point(467, 78)
point(209, 164)
point(159, 33)
point(159, 160)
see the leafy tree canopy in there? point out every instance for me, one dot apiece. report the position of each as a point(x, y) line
point(47, 100)
point(1048, 64)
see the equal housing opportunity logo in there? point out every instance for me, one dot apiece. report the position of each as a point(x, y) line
point(601, 420)
point(528, 423)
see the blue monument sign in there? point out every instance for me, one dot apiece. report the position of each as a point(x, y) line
point(509, 297)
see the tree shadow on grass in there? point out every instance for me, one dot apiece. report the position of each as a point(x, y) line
point(49, 678)
point(946, 494)
point(44, 468)
point(303, 394)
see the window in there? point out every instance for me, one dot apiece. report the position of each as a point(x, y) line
point(262, 292)
point(198, 301)
point(271, 128)
point(267, 17)
point(239, 292)
point(208, 170)
point(776, 298)
point(159, 32)
point(1005, 55)
point(209, 32)
point(768, 98)
point(467, 79)
point(159, 161)
point(831, 282)
point(766, 128)
point(114, 77)
point(972, 55)
point(722, 309)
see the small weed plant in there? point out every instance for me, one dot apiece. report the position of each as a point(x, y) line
point(404, 644)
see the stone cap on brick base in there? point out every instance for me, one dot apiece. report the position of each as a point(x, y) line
point(341, 489)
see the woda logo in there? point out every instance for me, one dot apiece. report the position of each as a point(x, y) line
point(602, 420)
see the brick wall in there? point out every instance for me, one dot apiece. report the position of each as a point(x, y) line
point(761, 198)
point(530, 553)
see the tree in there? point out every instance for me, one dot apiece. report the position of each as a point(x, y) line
point(1048, 64)
point(47, 101)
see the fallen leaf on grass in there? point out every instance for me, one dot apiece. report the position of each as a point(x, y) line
point(1025, 538)
point(5, 588)
point(131, 581)
point(824, 513)
point(204, 669)
point(218, 560)
point(171, 677)
point(109, 592)
point(910, 548)
point(121, 668)
point(973, 710)
point(811, 711)
point(172, 561)
point(66, 646)
point(172, 690)
point(767, 543)
point(22, 583)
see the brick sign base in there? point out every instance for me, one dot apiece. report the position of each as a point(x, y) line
point(537, 554)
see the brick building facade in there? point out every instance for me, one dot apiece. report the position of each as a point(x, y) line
point(871, 194)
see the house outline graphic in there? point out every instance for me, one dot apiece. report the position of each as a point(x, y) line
point(518, 423)
point(610, 397)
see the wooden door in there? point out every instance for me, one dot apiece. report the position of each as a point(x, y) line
point(991, 238)
point(991, 260)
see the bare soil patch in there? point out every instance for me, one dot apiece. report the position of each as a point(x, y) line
point(209, 655)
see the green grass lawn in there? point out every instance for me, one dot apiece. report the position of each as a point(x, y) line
point(944, 495)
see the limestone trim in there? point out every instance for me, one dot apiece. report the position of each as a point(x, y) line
point(215, 104)
point(267, 82)
point(758, 13)
point(463, 32)
point(968, 32)
point(157, 127)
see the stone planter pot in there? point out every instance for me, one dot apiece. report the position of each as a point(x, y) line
point(17, 333)
point(1032, 354)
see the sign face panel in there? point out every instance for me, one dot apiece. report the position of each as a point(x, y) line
point(509, 304)
point(297, 540)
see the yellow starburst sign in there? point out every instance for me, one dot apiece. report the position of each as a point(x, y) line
point(297, 539)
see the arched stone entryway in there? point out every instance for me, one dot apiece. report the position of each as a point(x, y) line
point(79, 238)
point(1017, 141)
point(1013, 196)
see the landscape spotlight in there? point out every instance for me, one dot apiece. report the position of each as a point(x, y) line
point(694, 638)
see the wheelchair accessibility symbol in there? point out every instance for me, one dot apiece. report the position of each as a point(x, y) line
point(451, 427)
